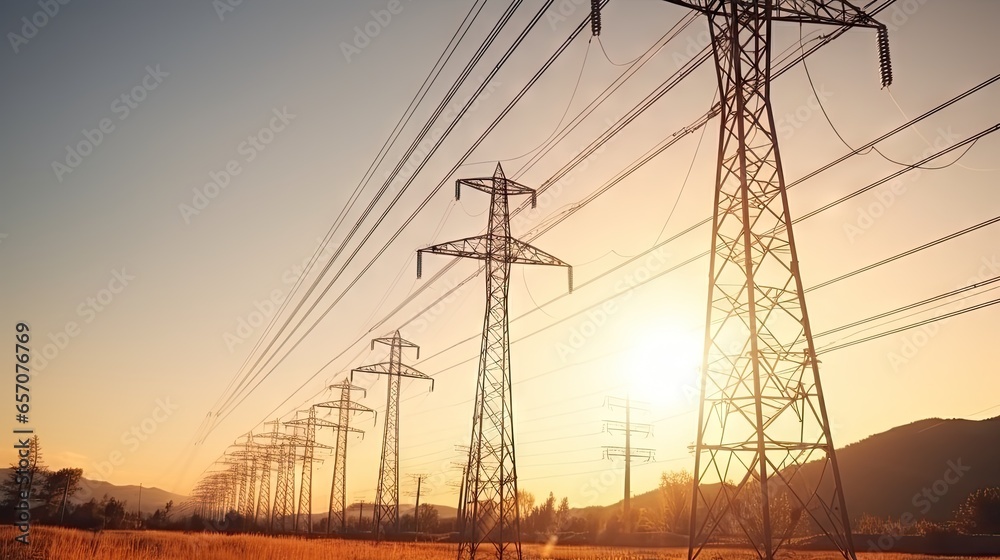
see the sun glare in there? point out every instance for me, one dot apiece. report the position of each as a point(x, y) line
point(663, 367)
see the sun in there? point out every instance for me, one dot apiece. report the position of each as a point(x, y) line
point(663, 366)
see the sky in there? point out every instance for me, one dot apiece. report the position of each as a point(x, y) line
point(169, 169)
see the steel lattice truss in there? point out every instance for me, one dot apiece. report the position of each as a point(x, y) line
point(762, 413)
point(387, 492)
point(309, 445)
point(271, 451)
point(490, 514)
point(338, 487)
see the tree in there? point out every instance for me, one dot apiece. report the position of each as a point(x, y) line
point(748, 512)
point(980, 512)
point(113, 512)
point(675, 500)
point(544, 516)
point(427, 518)
point(562, 515)
point(161, 517)
point(57, 489)
point(525, 503)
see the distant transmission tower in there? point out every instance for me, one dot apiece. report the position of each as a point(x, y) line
point(309, 445)
point(284, 492)
point(628, 452)
point(338, 487)
point(491, 512)
point(762, 413)
point(250, 454)
point(387, 493)
point(271, 452)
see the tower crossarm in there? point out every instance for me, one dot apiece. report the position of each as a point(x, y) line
point(830, 12)
point(387, 368)
point(478, 247)
point(495, 184)
point(641, 452)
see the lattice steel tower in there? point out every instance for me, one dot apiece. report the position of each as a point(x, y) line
point(387, 493)
point(762, 413)
point(338, 486)
point(309, 446)
point(491, 514)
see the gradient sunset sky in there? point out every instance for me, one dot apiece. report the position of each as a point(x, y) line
point(157, 292)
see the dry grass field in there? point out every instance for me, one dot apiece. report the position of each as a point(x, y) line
point(65, 544)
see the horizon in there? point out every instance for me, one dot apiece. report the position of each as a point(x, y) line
point(224, 145)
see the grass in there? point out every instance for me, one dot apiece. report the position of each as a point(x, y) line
point(49, 543)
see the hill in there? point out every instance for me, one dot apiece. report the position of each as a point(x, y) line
point(152, 497)
point(887, 474)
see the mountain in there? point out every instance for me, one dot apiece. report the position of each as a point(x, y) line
point(152, 498)
point(887, 474)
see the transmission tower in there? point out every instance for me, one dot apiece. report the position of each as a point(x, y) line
point(271, 451)
point(284, 491)
point(627, 452)
point(251, 455)
point(309, 445)
point(283, 449)
point(338, 487)
point(387, 493)
point(762, 414)
point(420, 478)
point(491, 513)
